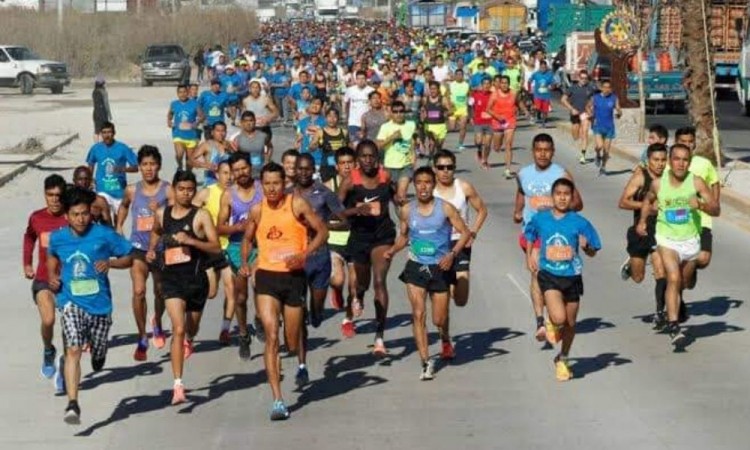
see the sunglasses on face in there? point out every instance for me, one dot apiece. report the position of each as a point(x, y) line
point(445, 167)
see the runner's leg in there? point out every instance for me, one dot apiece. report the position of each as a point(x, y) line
point(417, 298)
point(269, 309)
point(380, 266)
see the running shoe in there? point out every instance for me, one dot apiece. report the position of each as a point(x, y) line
point(60, 376)
point(448, 352)
point(379, 348)
point(562, 370)
point(97, 364)
point(140, 351)
point(553, 332)
point(508, 174)
point(660, 320)
point(598, 160)
point(72, 413)
point(178, 394)
point(602, 172)
point(157, 334)
point(224, 338)
point(279, 410)
point(347, 329)
point(244, 344)
point(357, 307)
point(428, 370)
point(336, 301)
point(460, 148)
point(302, 377)
point(259, 330)
point(676, 335)
point(541, 333)
point(187, 349)
point(48, 362)
point(582, 159)
point(625, 270)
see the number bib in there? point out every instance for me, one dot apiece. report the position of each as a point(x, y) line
point(185, 126)
point(558, 253)
point(44, 239)
point(434, 114)
point(423, 248)
point(144, 223)
point(539, 202)
point(374, 207)
point(111, 184)
point(256, 160)
point(678, 216)
point(85, 287)
point(176, 255)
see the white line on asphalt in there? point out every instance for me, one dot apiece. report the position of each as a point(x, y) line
point(518, 285)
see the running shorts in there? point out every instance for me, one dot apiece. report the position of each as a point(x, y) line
point(233, 254)
point(188, 143)
point(38, 286)
point(604, 132)
point(318, 269)
point(217, 262)
point(461, 111)
point(462, 261)
point(290, 288)
point(639, 246)
point(339, 251)
point(571, 288)
point(80, 327)
point(193, 291)
point(687, 250)
point(482, 129)
point(360, 246)
point(438, 130)
point(707, 240)
point(523, 243)
point(426, 276)
point(140, 255)
point(543, 106)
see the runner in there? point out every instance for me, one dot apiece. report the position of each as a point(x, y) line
point(110, 160)
point(657, 134)
point(435, 113)
point(145, 198)
point(211, 152)
point(367, 194)
point(310, 126)
point(253, 143)
point(211, 106)
point(542, 81)
point(605, 106)
point(503, 109)
point(426, 225)
point(83, 177)
point(479, 101)
point(330, 139)
point(189, 237)
point(396, 140)
point(289, 162)
point(78, 260)
point(680, 196)
point(280, 224)
point(459, 97)
point(265, 112)
point(183, 119)
point(576, 97)
point(236, 203)
point(462, 195)
point(230, 85)
point(357, 102)
point(374, 118)
point(534, 194)
point(41, 223)
point(563, 233)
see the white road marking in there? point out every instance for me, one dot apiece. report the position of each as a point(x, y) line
point(518, 285)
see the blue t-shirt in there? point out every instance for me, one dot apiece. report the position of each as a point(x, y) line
point(230, 84)
point(604, 111)
point(536, 186)
point(559, 254)
point(213, 106)
point(105, 161)
point(280, 78)
point(476, 79)
point(542, 81)
point(296, 90)
point(80, 283)
point(307, 137)
point(184, 118)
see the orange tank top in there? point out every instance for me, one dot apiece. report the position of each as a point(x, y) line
point(280, 235)
point(505, 106)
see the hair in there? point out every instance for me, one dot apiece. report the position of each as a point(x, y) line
point(236, 157)
point(654, 148)
point(659, 130)
point(366, 143)
point(435, 84)
point(223, 162)
point(273, 167)
point(247, 114)
point(78, 170)
point(306, 157)
point(221, 123)
point(344, 151)
point(107, 125)
point(563, 182)
point(360, 73)
point(543, 138)
point(182, 86)
point(292, 152)
point(373, 94)
point(679, 147)
point(333, 110)
point(398, 104)
point(56, 181)
point(149, 151)
point(184, 175)
point(422, 171)
point(443, 153)
point(690, 131)
point(75, 196)
point(455, 72)
point(505, 78)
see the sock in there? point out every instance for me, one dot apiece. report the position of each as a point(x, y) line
point(178, 381)
point(302, 366)
point(539, 321)
point(659, 292)
point(225, 324)
point(143, 341)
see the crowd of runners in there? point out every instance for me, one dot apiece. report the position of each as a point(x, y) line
point(371, 110)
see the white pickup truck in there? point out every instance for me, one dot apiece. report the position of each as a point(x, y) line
point(22, 68)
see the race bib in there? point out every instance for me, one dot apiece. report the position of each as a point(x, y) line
point(111, 184)
point(44, 239)
point(185, 126)
point(84, 287)
point(256, 160)
point(678, 216)
point(433, 114)
point(559, 253)
point(176, 255)
point(543, 90)
point(282, 255)
point(423, 248)
point(374, 207)
point(461, 99)
point(230, 89)
point(540, 202)
point(144, 223)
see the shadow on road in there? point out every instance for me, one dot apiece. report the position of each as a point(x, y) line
point(480, 345)
point(223, 385)
point(331, 387)
point(591, 324)
point(714, 306)
point(130, 406)
point(588, 365)
point(117, 374)
point(369, 326)
point(705, 330)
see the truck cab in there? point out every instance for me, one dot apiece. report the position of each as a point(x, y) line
point(22, 68)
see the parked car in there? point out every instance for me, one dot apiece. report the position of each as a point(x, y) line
point(165, 62)
point(22, 68)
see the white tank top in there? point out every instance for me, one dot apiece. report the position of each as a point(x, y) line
point(459, 201)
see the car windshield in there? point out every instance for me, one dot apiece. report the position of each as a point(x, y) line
point(162, 52)
point(21, 53)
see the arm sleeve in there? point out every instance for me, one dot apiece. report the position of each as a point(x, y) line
point(91, 157)
point(118, 245)
point(589, 232)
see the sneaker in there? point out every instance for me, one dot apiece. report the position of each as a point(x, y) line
point(72, 414)
point(187, 349)
point(224, 339)
point(582, 159)
point(660, 320)
point(48, 362)
point(541, 333)
point(244, 344)
point(553, 334)
point(676, 335)
point(279, 410)
point(625, 270)
point(598, 160)
point(158, 337)
point(682, 315)
point(508, 174)
point(178, 394)
point(379, 348)
point(602, 172)
point(140, 351)
point(302, 377)
point(448, 352)
point(460, 148)
point(60, 376)
point(428, 370)
point(347, 329)
point(97, 364)
point(357, 307)
point(259, 330)
point(336, 301)
point(562, 370)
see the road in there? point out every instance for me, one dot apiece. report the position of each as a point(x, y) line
point(631, 390)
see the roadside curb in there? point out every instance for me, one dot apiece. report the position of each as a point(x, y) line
point(23, 166)
point(728, 195)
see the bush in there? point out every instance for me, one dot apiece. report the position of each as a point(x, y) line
point(110, 43)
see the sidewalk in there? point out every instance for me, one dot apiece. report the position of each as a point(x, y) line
point(17, 159)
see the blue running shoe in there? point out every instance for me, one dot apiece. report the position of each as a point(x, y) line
point(303, 377)
point(60, 376)
point(48, 362)
point(279, 410)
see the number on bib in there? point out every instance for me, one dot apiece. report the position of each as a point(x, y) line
point(176, 255)
point(559, 253)
point(144, 223)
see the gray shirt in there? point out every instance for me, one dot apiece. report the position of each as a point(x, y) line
point(579, 95)
point(373, 119)
point(254, 146)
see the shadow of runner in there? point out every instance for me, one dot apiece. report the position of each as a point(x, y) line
point(130, 406)
point(591, 324)
point(116, 374)
point(704, 330)
point(479, 345)
point(588, 365)
point(714, 306)
point(369, 326)
point(223, 385)
point(328, 387)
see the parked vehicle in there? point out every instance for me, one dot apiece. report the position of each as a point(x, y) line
point(742, 26)
point(22, 68)
point(502, 16)
point(165, 62)
point(431, 15)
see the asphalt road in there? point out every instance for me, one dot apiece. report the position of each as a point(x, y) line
point(631, 390)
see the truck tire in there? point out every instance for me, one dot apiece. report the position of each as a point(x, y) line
point(57, 89)
point(26, 82)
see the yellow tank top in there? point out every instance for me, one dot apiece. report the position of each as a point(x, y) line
point(279, 235)
point(213, 204)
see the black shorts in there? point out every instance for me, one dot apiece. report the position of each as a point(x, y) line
point(570, 287)
point(360, 246)
point(426, 276)
point(575, 119)
point(290, 288)
point(340, 250)
point(462, 261)
point(140, 255)
point(216, 262)
point(193, 291)
point(640, 246)
point(707, 240)
point(38, 286)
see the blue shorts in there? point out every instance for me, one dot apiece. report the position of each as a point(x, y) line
point(318, 269)
point(606, 133)
point(233, 253)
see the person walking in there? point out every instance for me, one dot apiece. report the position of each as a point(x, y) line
point(102, 113)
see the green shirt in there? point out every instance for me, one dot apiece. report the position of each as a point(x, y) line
point(676, 219)
point(397, 155)
point(703, 168)
point(459, 94)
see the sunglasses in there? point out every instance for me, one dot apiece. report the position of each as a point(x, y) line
point(445, 167)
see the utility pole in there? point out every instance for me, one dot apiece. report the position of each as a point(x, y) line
point(60, 16)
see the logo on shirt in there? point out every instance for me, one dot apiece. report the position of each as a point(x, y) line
point(368, 199)
point(274, 234)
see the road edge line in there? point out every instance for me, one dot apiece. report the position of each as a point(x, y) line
point(24, 166)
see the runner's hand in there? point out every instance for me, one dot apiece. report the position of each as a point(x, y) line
point(28, 272)
point(446, 262)
point(153, 205)
point(102, 266)
point(583, 242)
point(181, 238)
point(150, 256)
point(517, 217)
point(532, 264)
point(54, 283)
point(245, 270)
point(575, 112)
point(694, 202)
point(641, 229)
point(295, 261)
point(388, 255)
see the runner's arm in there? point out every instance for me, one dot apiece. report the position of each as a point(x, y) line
point(476, 202)
point(626, 199)
point(273, 110)
point(156, 232)
point(576, 203)
point(306, 214)
point(458, 223)
point(199, 153)
point(518, 205)
point(122, 211)
point(646, 208)
point(170, 117)
point(200, 199)
point(53, 271)
point(403, 232)
point(29, 239)
point(565, 100)
point(222, 222)
point(247, 239)
point(211, 244)
point(707, 202)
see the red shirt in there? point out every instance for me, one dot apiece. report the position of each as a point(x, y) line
point(481, 100)
point(41, 223)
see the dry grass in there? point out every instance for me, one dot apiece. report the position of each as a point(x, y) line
point(110, 43)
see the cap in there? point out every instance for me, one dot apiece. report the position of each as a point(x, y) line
point(229, 66)
point(244, 63)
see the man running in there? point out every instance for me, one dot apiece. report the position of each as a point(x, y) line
point(280, 225)
point(211, 152)
point(367, 194)
point(212, 104)
point(426, 226)
point(183, 119)
point(374, 118)
point(480, 99)
point(576, 97)
point(435, 113)
point(534, 194)
point(100, 213)
point(265, 112)
point(395, 140)
point(680, 195)
point(144, 199)
point(503, 109)
point(253, 142)
point(78, 261)
point(356, 103)
point(188, 236)
point(605, 106)
point(542, 81)
point(459, 95)
point(462, 195)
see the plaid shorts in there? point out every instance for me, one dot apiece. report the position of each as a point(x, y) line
point(80, 327)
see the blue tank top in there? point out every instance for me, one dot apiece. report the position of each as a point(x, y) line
point(143, 216)
point(429, 236)
point(214, 158)
point(537, 188)
point(240, 209)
